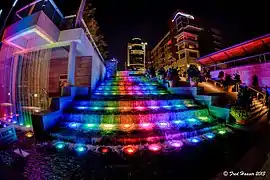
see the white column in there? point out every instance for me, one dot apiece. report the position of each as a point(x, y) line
point(72, 63)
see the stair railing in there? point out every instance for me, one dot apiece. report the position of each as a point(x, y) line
point(258, 93)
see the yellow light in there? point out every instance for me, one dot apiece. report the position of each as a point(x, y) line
point(29, 134)
point(35, 95)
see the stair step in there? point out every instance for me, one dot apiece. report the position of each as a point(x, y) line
point(134, 118)
point(129, 110)
point(132, 103)
point(135, 137)
point(260, 114)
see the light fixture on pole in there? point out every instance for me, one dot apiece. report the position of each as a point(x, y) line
point(1, 10)
point(13, 5)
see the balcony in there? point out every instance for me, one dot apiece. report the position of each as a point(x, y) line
point(38, 24)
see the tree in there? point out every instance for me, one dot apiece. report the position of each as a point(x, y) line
point(89, 17)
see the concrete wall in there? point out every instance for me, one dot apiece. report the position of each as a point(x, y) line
point(247, 72)
point(98, 71)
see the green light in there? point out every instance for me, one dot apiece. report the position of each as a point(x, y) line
point(221, 132)
point(28, 126)
point(90, 125)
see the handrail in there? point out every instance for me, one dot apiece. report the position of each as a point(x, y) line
point(35, 2)
point(257, 91)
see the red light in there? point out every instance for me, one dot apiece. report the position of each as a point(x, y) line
point(104, 150)
point(130, 150)
point(169, 42)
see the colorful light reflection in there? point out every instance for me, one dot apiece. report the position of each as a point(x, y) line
point(130, 150)
point(80, 148)
point(155, 147)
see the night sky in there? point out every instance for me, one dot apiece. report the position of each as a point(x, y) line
point(120, 21)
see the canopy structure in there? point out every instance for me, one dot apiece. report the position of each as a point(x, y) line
point(239, 50)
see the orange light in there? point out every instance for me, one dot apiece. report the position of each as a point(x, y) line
point(130, 150)
point(29, 134)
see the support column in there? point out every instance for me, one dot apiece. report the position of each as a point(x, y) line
point(72, 63)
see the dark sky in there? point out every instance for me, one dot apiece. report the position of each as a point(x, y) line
point(120, 21)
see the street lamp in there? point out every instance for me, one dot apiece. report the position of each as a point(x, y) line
point(13, 5)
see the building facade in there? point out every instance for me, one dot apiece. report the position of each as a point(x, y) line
point(136, 54)
point(186, 40)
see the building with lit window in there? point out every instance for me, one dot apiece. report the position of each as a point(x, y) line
point(187, 39)
point(136, 54)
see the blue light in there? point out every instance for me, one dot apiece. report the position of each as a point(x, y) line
point(81, 107)
point(21, 124)
point(195, 140)
point(73, 125)
point(210, 135)
point(179, 122)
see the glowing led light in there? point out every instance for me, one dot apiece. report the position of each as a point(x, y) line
point(192, 120)
point(195, 140)
point(80, 148)
point(28, 126)
point(60, 145)
point(154, 107)
point(8, 94)
point(209, 135)
point(154, 147)
point(130, 150)
point(164, 124)
point(104, 150)
point(73, 125)
point(97, 93)
point(140, 108)
point(21, 124)
point(146, 126)
point(35, 95)
point(203, 118)
point(110, 108)
point(107, 127)
point(167, 107)
point(14, 122)
point(176, 143)
point(29, 134)
point(179, 122)
point(96, 108)
point(221, 132)
point(81, 107)
point(89, 126)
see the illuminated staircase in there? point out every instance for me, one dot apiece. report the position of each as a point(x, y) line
point(132, 109)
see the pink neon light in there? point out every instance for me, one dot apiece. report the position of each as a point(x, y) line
point(154, 147)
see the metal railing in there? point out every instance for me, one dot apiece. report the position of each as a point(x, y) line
point(47, 6)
